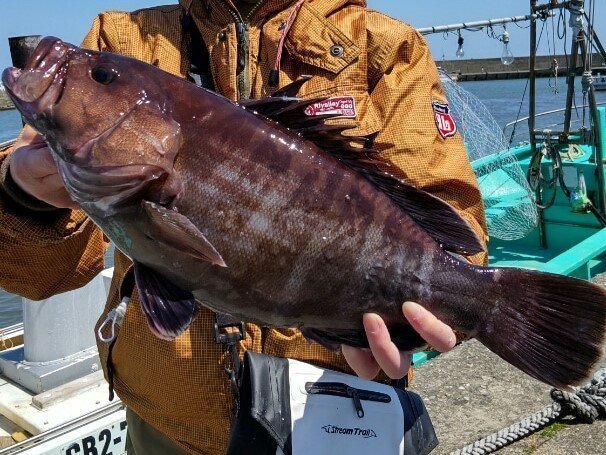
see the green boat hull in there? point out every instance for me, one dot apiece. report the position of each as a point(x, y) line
point(575, 242)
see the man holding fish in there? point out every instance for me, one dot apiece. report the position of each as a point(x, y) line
point(380, 80)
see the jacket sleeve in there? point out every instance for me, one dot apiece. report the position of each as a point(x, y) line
point(46, 252)
point(404, 83)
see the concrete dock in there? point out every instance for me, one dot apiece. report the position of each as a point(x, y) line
point(471, 393)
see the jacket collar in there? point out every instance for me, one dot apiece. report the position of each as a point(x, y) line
point(310, 38)
point(219, 10)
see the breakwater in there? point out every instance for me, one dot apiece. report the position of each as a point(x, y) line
point(5, 102)
point(493, 68)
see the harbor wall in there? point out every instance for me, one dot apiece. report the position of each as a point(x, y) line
point(493, 68)
point(5, 102)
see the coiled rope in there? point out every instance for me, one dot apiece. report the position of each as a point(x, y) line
point(586, 403)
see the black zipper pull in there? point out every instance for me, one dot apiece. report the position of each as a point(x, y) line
point(357, 403)
point(241, 29)
point(340, 389)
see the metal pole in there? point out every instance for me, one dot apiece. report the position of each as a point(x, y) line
point(589, 88)
point(532, 112)
point(532, 76)
point(570, 77)
point(476, 24)
point(575, 7)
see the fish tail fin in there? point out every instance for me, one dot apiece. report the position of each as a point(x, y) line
point(552, 327)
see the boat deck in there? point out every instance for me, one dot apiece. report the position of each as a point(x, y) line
point(575, 243)
point(584, 260)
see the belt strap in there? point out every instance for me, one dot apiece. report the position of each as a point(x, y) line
point(228, 331)
point(126, 291)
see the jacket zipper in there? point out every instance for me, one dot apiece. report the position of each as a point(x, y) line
point(343, 390)
point(242, 35)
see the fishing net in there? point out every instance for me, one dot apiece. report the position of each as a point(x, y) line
point(510, 208)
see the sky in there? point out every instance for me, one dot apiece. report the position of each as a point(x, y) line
point(70, 20)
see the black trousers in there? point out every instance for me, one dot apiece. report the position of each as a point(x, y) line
point(143, 439)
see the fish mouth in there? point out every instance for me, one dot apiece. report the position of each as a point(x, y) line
point(39, 85)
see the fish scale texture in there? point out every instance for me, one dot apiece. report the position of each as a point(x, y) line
point(180, 387)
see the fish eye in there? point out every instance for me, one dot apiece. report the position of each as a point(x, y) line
point(103, 74)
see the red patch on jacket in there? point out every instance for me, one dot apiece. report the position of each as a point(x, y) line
point(341, 106)
point(444, 120)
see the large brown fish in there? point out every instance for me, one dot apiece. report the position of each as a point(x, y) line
point(216, 203)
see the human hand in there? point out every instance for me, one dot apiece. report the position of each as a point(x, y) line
point(33, 169)
point(384, 355)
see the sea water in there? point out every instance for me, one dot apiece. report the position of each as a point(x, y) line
point(502, 98)
point(10, 124)
point(10, 305)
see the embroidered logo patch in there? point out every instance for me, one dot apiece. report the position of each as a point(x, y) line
point(340, 106)
point(444, 120)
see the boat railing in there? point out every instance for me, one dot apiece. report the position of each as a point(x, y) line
point(7, 143)
point(64, 429)
point(11, 336)
point(522, 135)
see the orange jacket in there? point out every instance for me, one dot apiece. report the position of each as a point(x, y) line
point(180, 387)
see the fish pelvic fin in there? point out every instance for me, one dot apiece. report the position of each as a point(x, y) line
point(402, 335)
point(552, 327)
point(169, 310)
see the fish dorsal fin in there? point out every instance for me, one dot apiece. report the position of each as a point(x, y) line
point(278, 100)
point(438, 218)
point(286, 108)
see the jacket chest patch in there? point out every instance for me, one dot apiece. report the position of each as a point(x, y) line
point(341, 106)
point(444, 120)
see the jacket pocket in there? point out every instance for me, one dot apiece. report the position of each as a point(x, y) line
point(366, 121)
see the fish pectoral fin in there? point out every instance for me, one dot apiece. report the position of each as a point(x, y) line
point(177, 231)
point(169, 310)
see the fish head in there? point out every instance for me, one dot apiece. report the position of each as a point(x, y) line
point(107, 118)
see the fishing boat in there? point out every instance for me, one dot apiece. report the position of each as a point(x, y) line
point(54, 399)
point(564, 166)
